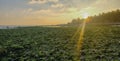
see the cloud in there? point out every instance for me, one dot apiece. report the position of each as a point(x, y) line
point(42, 11)
point(45, 13)
point(42, 1)
point(72, 9)
point(106, 5)
point(37, 1)
point(57, 5)
point(51, 13)
point(53, 1)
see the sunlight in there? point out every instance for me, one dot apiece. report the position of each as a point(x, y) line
point(85, 15)
point(80, 42)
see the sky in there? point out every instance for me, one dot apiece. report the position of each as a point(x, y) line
point(51, 12)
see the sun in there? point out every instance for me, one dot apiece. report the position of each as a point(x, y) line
point(85, 15)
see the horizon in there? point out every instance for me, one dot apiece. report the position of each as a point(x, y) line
point(51, 12)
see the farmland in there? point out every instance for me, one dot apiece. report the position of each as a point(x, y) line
point(58, 44)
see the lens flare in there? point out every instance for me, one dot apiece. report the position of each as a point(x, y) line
point(80, 41)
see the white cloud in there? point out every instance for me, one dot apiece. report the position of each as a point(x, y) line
point(42, 1)
point(57, 5)
point(42, 11)
point(106, 5)
point(72, 9)
point(53, 1)
point(45, 12)
point(37, 1)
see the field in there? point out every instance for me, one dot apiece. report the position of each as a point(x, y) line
point(100, 43)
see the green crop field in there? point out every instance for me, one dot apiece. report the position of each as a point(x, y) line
point(100, 43)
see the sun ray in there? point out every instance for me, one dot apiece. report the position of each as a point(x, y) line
point(80, 41)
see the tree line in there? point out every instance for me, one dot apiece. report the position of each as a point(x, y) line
point(112, 17)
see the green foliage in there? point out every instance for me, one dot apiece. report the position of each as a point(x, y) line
point(101, 43)
point(36, 44)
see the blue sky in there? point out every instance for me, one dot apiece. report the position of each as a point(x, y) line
point(47, 12)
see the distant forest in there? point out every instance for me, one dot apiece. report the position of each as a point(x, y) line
point(112, 17)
